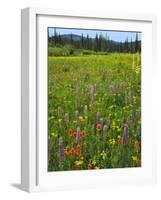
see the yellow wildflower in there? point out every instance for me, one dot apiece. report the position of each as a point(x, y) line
point(78, 162)
point(94, 162)
point(59, 120)
point(118, 136)
point(97, 167)
point(134, 158)
point(112, 141)
point(81, 119)
point(54, 134)
point(103, 155)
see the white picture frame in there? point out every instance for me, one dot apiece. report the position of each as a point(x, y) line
point(34, 176)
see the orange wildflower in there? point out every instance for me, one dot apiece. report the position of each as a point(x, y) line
point(98, 127)
point(89, 166)
point(82, 134)
point(70, 132)
point(78, 147)
point(77, 153)
point(72, 152)
point(78, 150)
point(67, 153)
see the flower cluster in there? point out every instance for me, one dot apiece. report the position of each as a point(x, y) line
point(73, 151)
point(74, 134)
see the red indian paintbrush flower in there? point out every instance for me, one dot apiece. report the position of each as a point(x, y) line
point(91, 92)
point(70, 132)
point(98, 127)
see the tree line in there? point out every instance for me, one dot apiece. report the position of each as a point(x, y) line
point(99, 44)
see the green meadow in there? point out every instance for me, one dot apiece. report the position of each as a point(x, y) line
point(94, 111)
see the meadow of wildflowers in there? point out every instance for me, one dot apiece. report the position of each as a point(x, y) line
point(94, 112)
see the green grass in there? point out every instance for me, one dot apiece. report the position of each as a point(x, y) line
point(116, 79)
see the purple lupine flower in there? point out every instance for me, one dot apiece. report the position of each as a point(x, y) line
point(91, 89)
point(112, 88)
point(125, 135)
point(105, 127)
point(85, 109)
point(78, 135)
point(76, 113)
point(93, 128)
point(123, 86)
point(130, 99)
point(138, 113)
point(66, 117)
point(77, 90)
point(98, 117)
point(126, 98)
point(59, 112)
point(109, 122)
point(101, 122)
point(129, 120)
point(91, 92)
point(138, 131)
point(77, 116)
point(61, 155)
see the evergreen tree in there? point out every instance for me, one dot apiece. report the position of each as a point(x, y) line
point(96, 43)
point(131, 46)
point(100, 42)
point(87, 41)
point(126, 48)
point(136, 43)
point(71, 38)
point(82, 41)
point(55, 36)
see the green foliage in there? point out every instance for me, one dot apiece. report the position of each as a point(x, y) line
point(58, 50)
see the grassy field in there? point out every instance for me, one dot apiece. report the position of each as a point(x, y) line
point(94, 111)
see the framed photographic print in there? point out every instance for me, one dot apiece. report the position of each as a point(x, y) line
point(86, 99)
